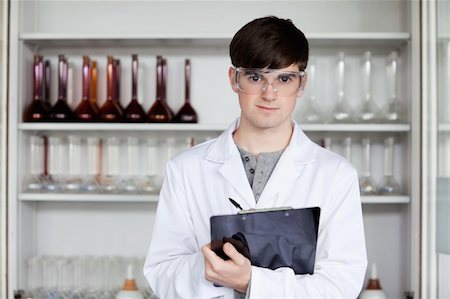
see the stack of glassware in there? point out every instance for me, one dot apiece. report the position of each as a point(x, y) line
point(88, 164)
point(75, 277)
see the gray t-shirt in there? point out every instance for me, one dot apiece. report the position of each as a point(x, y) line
point(259, 169)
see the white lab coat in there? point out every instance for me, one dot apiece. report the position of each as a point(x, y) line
point(197, 186)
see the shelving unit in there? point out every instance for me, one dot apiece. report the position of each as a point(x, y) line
point(64, 197)
point(205, 127)
point(62, 224)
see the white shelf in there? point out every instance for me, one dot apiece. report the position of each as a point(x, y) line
point(356, 127)
point(118, 127)
point(63, 197)
point(203, 127)
point(60, 197)
point(201, 39)
point(444, 127)
point(378, 199)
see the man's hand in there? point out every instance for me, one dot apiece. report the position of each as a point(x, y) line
point(233, 273)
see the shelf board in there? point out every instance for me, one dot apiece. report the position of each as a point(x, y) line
point(379, 199)
point(356, 127)
point(445, 127)
point(204, 127)
point(60, 197)
point(118, 127)
point(202, 39)
point(64, 197)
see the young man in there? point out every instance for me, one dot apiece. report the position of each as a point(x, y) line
point(263, 160)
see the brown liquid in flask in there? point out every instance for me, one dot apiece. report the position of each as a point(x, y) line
point(110, 111)
point(187, 113)
point(94, 77)
point(116, 82)
point(164, 87)
point(36, 111)
point(85, 111)
point(159, 113)
point(61, 112)
point(47, 82)
point(134, 111)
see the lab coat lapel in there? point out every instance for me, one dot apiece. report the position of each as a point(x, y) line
point(234, 172)
point(300, 152)
point(224, 151)
point(284, 173)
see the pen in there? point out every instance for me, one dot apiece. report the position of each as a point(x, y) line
point(235, 203)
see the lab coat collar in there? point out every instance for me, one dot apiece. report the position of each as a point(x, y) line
point(300, 151)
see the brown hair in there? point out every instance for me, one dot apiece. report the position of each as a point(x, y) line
point(269, 42)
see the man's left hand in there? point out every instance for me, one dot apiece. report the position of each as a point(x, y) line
point(233, 273)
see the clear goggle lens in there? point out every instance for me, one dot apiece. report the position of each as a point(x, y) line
point(255, 81)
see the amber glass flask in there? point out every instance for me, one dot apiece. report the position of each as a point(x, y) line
point(110, 111)
point(61, 111)
point(187, 113)
point(36, 111)
point(134, 111)
point(159, 112)
point(85, 111)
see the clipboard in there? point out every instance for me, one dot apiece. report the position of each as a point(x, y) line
point(275, 238)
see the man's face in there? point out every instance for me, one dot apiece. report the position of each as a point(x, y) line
point(266, 109)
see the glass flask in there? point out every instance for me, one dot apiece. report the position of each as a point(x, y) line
point(309, 113)
point(394, 111)
point(159, 112)
point(110, 111)
point(47, 83)
point(342, 112)
point(85, 111)
point(61, 110)
point(56, 160)
point(347, 143)
point(70, 93)
point(130, 182)
point(91, 179)
point(148, 185)
point(109, 179)
point(94, 81)
point(134, 111)
point(35, 181)
point(388, 184)
point(164, 86)
point(366, 183)
point(72, 179)
point(36, 110)
point(368, 111)
point(34, 276)
point(116, 83)
point(187, 113)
